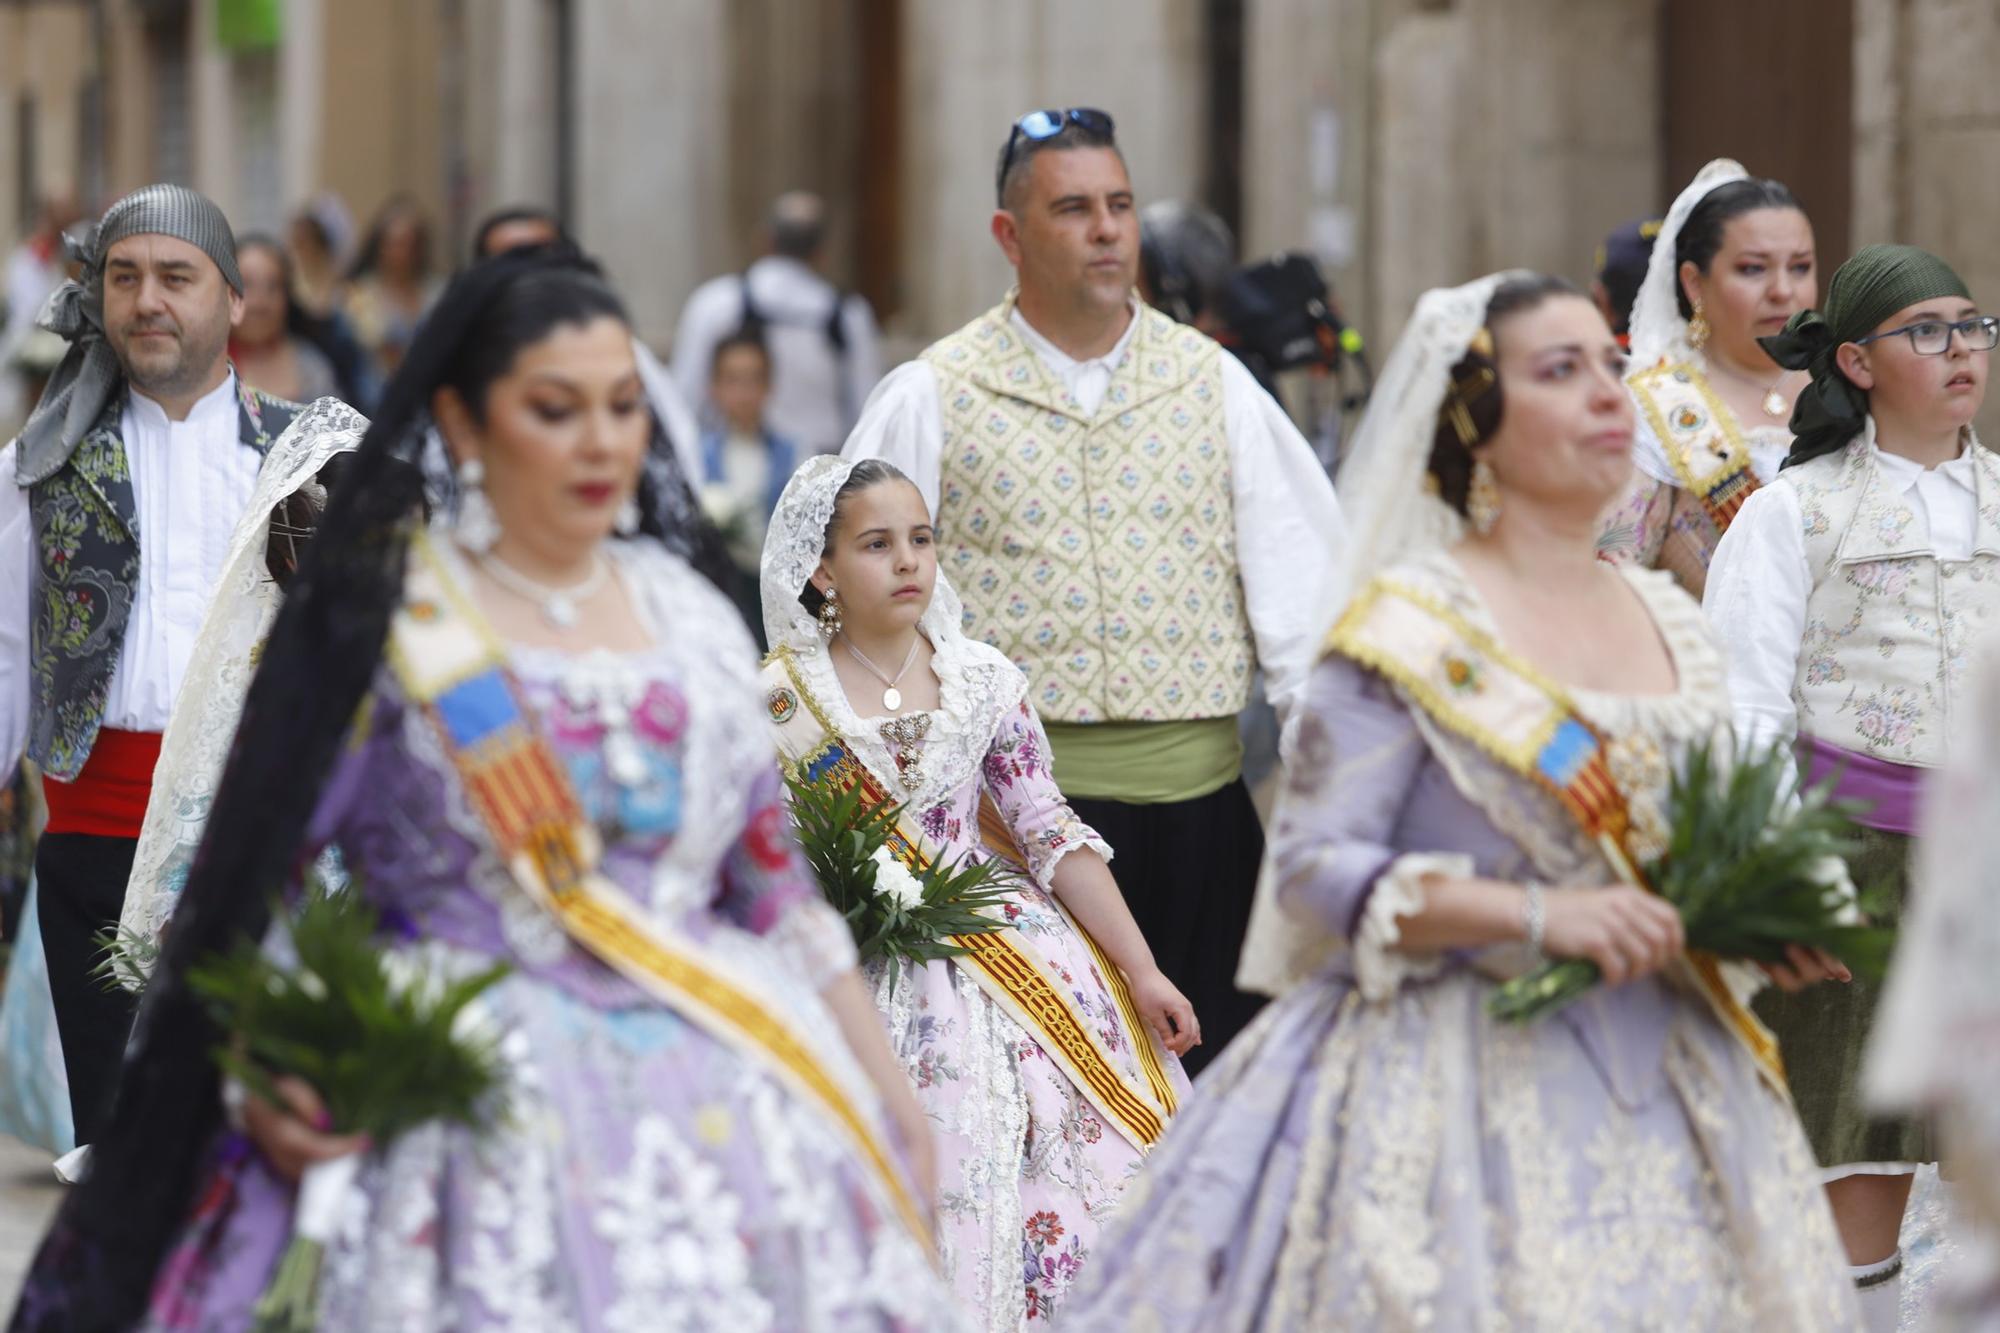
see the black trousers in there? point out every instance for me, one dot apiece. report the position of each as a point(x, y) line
point(1188, 870)
point(81, 880)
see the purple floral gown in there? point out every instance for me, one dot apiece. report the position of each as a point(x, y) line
point(1029, 1171)
point(647, 1176)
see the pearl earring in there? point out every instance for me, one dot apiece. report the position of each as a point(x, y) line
point(476, 526)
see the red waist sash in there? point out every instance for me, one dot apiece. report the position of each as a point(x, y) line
point(108, 798)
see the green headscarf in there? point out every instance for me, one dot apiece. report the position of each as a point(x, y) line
point(1875, 284)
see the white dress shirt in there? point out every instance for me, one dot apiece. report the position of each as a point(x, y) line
point(190, 483)
point(816, 390)
point(1759, 582)
point(1288, 524)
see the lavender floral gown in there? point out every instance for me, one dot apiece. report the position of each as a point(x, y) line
point(1376, 1152)
point(1029, 1172)
point(648, 1176)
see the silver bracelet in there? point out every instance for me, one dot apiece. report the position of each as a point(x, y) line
point(234, 1095)
point(1536, 918)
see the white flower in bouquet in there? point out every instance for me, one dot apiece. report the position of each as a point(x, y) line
point(894, 881)
point(1841, 895)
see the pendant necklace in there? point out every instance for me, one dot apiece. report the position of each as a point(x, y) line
point(1774, 402)
point(558, 605)
point(892, 698)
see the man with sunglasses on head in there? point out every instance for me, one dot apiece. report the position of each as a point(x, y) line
point(1137, 524)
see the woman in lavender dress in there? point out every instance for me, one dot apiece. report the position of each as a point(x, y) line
point(649, 1172)
point(1377, 1151)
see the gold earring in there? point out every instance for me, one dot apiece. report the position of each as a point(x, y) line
point(1482, 498)
point(1698, 329)
point(829, 614)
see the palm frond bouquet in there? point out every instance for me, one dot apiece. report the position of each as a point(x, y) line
point(1753, 863)
point(894, 912)
point(387, 1044)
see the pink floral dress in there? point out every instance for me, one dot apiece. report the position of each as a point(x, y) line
point(1028, 1170)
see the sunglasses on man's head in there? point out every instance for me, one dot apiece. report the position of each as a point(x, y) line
point(1039, 125)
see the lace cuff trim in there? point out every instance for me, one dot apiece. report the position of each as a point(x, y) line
point(1379, 968)
point(1073, 836)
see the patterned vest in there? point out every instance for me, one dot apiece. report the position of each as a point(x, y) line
point(87, 543)
point(1889, 627)
point(1099, 553)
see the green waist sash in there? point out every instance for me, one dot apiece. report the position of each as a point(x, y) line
point(1145, 763)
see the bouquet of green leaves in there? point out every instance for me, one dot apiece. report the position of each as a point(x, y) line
point(1751, 867)
point(894, 912)
point(386, 1045)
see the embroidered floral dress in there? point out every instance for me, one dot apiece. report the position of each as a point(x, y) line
point(1377, 1152)
point(1659, 523)
point(1028, 1169)
point(647, 1176)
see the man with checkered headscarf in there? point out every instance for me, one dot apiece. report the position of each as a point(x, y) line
point(125, 489)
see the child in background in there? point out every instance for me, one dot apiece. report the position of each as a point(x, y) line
point(744, 464)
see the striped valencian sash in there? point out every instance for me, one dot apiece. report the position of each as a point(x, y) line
point(453, 668)
point(1469, 684)
point(1022, 984)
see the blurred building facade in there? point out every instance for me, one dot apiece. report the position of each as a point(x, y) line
point(1408, 142)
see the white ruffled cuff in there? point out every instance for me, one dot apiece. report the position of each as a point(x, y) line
point(1380, 969)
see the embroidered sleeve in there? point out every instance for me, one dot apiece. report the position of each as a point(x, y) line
point(1018, 777)
point(768, 888)
point(1333, 843)
point(1635, 528)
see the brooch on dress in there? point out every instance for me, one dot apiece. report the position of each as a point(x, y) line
point(905, 737)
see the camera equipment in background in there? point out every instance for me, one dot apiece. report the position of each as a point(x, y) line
point(1278, 315)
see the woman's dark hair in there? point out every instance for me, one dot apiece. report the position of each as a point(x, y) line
point(1475, 380)
point(400, 208)
point(1700, 237)
point(97, 1264)
point(868, 472)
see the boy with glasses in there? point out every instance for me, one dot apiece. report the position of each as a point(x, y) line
point(1136, 523)
point(1849, 594)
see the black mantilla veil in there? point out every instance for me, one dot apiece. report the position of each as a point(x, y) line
point(96, 1267)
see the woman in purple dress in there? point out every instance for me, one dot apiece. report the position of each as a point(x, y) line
point(1377, 1151)
point(664, 1161)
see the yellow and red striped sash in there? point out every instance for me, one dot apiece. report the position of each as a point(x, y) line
point(452, 667)
point(1011, 976)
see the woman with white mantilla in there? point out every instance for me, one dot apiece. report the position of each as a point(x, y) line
point(1377, 1150)
point(1732, 262)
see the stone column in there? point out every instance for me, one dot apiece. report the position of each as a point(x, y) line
point(301, 99)
point(209, 118)
point(512, 122)
point(651, 149)
point(1944, 175)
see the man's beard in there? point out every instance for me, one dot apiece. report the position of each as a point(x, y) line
point(166, 374)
